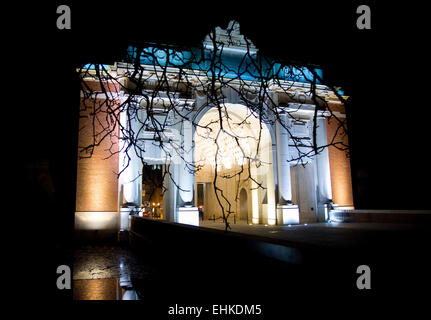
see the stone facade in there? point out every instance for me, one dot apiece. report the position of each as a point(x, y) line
point(339, 162)
point(294, 192)
point(97, 183)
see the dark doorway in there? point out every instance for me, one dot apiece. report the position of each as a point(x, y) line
point(200, 199)
point(152, 191)
point(243, 203)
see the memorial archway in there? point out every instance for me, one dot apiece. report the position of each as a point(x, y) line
point(233, 151)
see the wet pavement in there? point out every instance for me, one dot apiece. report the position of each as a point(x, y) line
point(107, 273)
point(101, 262)
point(114, 272)
point(330, 235)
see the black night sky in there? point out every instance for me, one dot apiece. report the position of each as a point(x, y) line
point(384, 70)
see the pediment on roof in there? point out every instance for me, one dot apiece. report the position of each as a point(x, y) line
point(230, 37)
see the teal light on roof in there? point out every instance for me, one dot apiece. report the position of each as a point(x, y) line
point(230, 64)
point(91, 66)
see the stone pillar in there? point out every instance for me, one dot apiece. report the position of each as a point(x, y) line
point(284, 184)
point(130, 180)
point(187, 177)
point(270, 185)
point(254, 195)
point(324, 189)
point(187, 213)
point(271, 209)
point(286, 210)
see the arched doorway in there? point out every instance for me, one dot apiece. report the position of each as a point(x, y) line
point(243, 204)
point(231, 145)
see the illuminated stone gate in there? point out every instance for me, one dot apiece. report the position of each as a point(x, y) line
point(293, 192)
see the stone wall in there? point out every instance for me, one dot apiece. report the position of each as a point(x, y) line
point(339, 162)
point(97, 183)
point(230, 191)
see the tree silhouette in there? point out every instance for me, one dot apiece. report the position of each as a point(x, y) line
point(133, 105)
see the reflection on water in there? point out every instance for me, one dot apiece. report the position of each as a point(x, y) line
point(104, 289)
point(104, 273)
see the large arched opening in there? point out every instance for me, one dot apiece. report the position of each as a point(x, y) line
point(233, 151)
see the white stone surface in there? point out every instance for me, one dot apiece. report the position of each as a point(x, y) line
point(187, 177)
point(124, 218)
point(289, 214)
point(130, 165)
point(284, 181)
point(188, 215)
point(322, 161)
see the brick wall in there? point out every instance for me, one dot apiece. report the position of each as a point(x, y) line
point(341, 179)
point(97, 183)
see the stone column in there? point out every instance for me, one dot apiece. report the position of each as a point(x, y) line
point(187, 213)
point(287, 211)
point(284, 184)
point(254, 195)
point(324, 189)
point(130, 180)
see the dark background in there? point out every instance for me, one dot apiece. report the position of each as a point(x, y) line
point(384, 70)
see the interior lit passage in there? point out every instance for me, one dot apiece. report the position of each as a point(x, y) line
point(152, 191)
point(233, 154)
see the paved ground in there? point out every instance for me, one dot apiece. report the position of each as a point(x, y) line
point(105, 273)
point(102, 262)
point(100, 272)
point(335, 235)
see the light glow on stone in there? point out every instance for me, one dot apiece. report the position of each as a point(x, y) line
point(225, 148)
point(188, 215)
point(95, 220)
